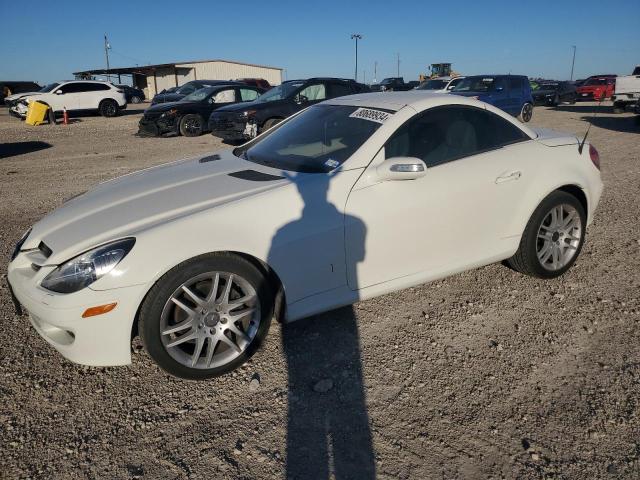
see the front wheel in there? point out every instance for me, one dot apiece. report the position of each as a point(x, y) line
point(553, 237)
point(206, 316)
point(527, 112)
point(272, 122)
point(191, 125)
point(136, 99)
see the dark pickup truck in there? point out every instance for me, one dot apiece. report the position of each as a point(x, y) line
point(393, 84)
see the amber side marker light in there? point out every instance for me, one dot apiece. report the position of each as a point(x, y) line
point(99, 310)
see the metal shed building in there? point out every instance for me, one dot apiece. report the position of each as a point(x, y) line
point(155, 78)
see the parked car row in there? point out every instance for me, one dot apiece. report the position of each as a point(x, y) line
point(552, 93)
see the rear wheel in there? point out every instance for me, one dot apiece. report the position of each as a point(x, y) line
point(191, 125)
point(553, 237)
point(527, 112)
point(108, 108)
point(207, 316)
point(136, 99)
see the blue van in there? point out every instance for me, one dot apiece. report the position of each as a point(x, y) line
point(511, 93)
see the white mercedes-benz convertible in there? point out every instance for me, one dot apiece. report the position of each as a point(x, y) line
point(347, 200)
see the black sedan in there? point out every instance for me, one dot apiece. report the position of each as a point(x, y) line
point(189, 116)
point(554, 93)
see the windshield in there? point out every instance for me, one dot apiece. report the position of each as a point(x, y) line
point(548, 86)
point(596, 81)
point(279, 92)
point(48, 88)
point(433, 85)
point(475, 84)
point(388, 80)
point(198, 95)
point(186, 89)
point(319, 139)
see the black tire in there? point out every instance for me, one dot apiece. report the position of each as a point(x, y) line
point(153, 305)
point(526, 113)
point(618, 108)
point(108, 108)
point(51, 116)
point(526, 259)
point(272, 122)
point(191, 125)
point(136, 99)
point(573, 100)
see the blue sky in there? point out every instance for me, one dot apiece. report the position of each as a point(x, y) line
point(47, 41)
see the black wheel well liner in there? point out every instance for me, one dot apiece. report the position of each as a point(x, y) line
point(269, 273)
point(577, 192)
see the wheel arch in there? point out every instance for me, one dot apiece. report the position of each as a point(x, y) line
point(272, 277)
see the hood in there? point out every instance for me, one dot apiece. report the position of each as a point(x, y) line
point(129, 204)
point(165, 106)
point(167, 97)
point(473, 94)
point(255, 105)
point(18, 96)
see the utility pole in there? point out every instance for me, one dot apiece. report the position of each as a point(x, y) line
point(375, 72)
point(573, 62)
point(364, 77)
point(356, 37)
point(398, 65)
point(107, 47)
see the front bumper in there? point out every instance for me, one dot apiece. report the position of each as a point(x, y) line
point(157, 126)
point(103, 340)
point(230, 127)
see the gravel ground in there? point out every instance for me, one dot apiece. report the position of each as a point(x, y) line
point(488, 374)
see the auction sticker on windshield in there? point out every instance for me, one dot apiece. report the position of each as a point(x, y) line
point(372, 115)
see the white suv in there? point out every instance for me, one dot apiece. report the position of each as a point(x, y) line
point(77, 95)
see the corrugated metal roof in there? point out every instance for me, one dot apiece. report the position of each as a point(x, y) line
point(143, 69)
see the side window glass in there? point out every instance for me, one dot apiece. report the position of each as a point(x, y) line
point(314, 92)
point(499, 84)
point(449, 133)
point(225, 96)
point(340, 90)
point(248, 95)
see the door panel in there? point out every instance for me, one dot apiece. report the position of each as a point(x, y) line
point(457, 214)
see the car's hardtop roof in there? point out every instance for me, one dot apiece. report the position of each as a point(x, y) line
point(418, 100)
point(497, 75)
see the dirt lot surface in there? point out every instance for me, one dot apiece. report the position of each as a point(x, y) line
point(488, 374)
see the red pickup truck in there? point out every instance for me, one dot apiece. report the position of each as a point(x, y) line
point(597, 87)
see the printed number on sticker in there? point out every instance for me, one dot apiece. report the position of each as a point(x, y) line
point(371, 115)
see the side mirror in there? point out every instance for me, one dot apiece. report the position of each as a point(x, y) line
point(499, 89)
point(401, 168)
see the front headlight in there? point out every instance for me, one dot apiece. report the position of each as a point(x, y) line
point(85, 269)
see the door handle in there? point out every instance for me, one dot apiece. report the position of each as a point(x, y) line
point(507, 177)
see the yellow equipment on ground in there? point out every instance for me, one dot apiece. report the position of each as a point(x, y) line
point(36, 113)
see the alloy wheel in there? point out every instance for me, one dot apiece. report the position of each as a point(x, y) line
point(527, 112)
point(192, 126)
point(559, 237)
point(210, 320)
